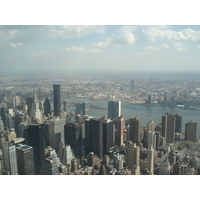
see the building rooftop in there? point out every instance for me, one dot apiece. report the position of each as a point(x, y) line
point(18, 140)
point(24, 147)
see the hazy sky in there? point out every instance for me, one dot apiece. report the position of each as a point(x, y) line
point(100, 47)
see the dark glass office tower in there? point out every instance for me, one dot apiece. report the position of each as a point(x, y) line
point(86, 108)
point(178, 124)
point(25, 160)
point(18, 118)
point(108, 134)
point(86, 138)
point(168, 127)
point(47, 107)
point(94, 137)
point(34, 137)
point(49, 167)
point(114, 109)
point(4, 111)
point(29, 102)
point(73, 137)
point(135, 130)
point(56, 94)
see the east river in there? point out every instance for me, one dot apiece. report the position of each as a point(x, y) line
point(144, 113)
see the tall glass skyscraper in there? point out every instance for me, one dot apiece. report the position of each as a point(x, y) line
point(25, 160)
point(47, 107)
point(34, 137)
point(56, 94)
point(114, 109)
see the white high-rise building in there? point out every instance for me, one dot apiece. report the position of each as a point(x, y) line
point(56, 132)
point(66, 154)
point(118, 161)
point(150, 159)
point(1, 125)
point(151, 126)
point(10, 111)
point(10, 159)
point(50, 152)
point(35, 111)
point(16, 101)
point(151, 139)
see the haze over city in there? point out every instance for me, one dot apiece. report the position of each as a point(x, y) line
point(144, 48)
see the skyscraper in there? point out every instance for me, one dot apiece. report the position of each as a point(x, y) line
point(65, 154)
point(108, 134)
point(9, 121)
point(150, 159)
point(165, 99)
point(49, 167)
point(151, 139)
point(65, 106)
point(191, 131)
point(178, 124)
point(132, 85)
point(132, 155)
point(35, 111)
point(10, 159)
point(18, 118)
point(4, 111)
point(119, 140)
point(29, 102)
point(34, 137)
point(149, 99)
point(1, 125)
point(114, 109)
point(168, 127)
point(151, 126)
point(94, 137)
point(73, 137)
point(47, 107)
point(56, 132)
point(25, 160)
point(118, 161)
point(56, 94)
point(86, 108)
point(134, 134)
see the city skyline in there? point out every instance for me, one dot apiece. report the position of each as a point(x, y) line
point(28, 48)
point(90, 12)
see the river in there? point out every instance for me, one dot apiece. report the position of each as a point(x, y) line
point(144, 113)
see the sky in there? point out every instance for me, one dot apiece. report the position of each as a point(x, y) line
point(99, 47)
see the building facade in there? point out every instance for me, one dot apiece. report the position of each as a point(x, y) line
point(191, 131)
point(56, 97)
point(114, 109)
point(25, 160)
